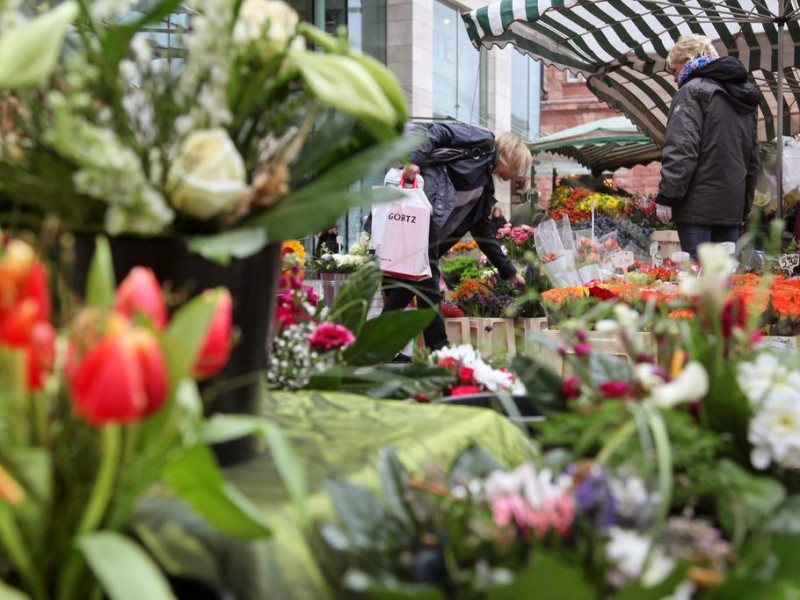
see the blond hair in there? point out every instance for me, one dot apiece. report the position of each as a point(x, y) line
point(514, 153)
point(689, 47)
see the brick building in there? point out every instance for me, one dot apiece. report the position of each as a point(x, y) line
point(567, 102)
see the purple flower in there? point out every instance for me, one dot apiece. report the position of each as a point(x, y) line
point(595, 499)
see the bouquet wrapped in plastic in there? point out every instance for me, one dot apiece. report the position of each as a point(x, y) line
point(558, 261)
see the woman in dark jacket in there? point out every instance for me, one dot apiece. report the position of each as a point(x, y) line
point(711, 153)
point(497, 218)
point(457, 162)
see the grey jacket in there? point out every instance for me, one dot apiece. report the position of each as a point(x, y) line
point(458, 157)
point(711, 154)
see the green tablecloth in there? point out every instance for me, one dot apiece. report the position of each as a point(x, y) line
point(337, 435)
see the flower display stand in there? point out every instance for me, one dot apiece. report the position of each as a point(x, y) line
point(668, 242)
point(605, 343)
point(493, 336)
point(526, 330)
point(458, 331)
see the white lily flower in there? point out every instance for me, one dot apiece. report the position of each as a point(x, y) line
point(717, 267)
point(628, 550)
point(691, 384)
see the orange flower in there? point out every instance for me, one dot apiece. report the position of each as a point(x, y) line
point(10, 491)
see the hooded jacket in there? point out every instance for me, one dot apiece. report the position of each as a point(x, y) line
point(711, 153)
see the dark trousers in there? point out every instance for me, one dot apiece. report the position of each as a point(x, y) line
point(691, 235)
point(398, 294)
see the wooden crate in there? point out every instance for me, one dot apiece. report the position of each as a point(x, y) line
point(605, 343)
point(493, 336)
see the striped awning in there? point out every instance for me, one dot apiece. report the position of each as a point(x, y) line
point(602, 145)
point(621, 47)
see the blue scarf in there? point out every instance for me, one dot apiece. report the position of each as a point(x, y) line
point(694, 64)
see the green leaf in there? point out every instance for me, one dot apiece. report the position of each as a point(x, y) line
point(356, 293)
point(542, 384)
point(101, 283)
point(552, 580)
point(388, 82)
point(663, 590)
point(394, 477)
point(184, 336)
point(30, 51)
point(347, 86)
point(750, 589)
point(473, 462)
point(369, 161)
point(239, 243)
point(746, 500)
point(384, 336)
point(290, 467)
point(9, 593)
point(294, 218)
point(358, 508)
point(123, 568)
point(227, 427)
point(402, 591)
point(198, 480)
point(391, 380)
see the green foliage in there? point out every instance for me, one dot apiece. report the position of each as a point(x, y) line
point(460, 267)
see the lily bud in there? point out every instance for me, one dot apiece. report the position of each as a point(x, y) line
point(140, 292)
point(122, 379)
point(216, 347)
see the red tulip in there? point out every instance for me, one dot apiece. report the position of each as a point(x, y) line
point(140, 292)
point(216, 347)
point(121, 379)
point(23, 329)
point(23, 277)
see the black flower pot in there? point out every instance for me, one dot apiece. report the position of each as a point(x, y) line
point(252, 282)
point(523, 404)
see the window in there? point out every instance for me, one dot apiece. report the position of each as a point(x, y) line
point(459, 74)
point(526, 77)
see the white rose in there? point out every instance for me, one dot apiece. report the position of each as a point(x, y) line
point(255, 15)
point(208, 177)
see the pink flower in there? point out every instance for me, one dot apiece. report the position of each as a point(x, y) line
point(328, 336)
point(614, 389)
point(571, 387)
point(582, 349)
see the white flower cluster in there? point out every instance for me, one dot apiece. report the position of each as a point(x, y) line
point(773, 389)
point(204, 79)
point(292, 361)
point(493, 380)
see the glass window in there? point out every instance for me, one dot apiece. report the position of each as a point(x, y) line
point(526, 77)
point(459, 80)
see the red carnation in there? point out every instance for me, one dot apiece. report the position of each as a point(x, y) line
point(328, 336)
point(615, 389)
point(465, 390)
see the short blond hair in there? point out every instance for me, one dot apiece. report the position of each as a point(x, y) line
point(689, 47)
point(514, 153)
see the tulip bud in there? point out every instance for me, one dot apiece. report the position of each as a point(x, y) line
point(140, 292)
point(122, 379)
point(24, 330)
point(216, 347)
point(10, 491)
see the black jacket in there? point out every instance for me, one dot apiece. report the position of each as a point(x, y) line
point(475, 159)
point(711, 154)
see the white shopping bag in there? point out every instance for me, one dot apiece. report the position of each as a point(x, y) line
point(400, 235)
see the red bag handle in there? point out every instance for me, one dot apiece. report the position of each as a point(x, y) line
point(403, 181)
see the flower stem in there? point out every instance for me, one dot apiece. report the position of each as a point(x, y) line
point(99, 500)
point(20, 557)
point(620, 437)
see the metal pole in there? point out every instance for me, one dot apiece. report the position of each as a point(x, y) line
point(779, 115)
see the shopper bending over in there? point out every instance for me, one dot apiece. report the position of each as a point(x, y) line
point(457, 162)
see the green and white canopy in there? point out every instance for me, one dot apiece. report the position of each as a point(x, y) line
point(602, 145)
point(621, 47)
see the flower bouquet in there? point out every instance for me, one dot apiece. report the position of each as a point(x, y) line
point(96, 415)
point(558, 263)
point(473, 375)
point(236, 129)
point(485, 298)
point(517, 240)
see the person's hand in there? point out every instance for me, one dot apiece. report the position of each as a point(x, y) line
point(410, 171)
point(518, 281)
